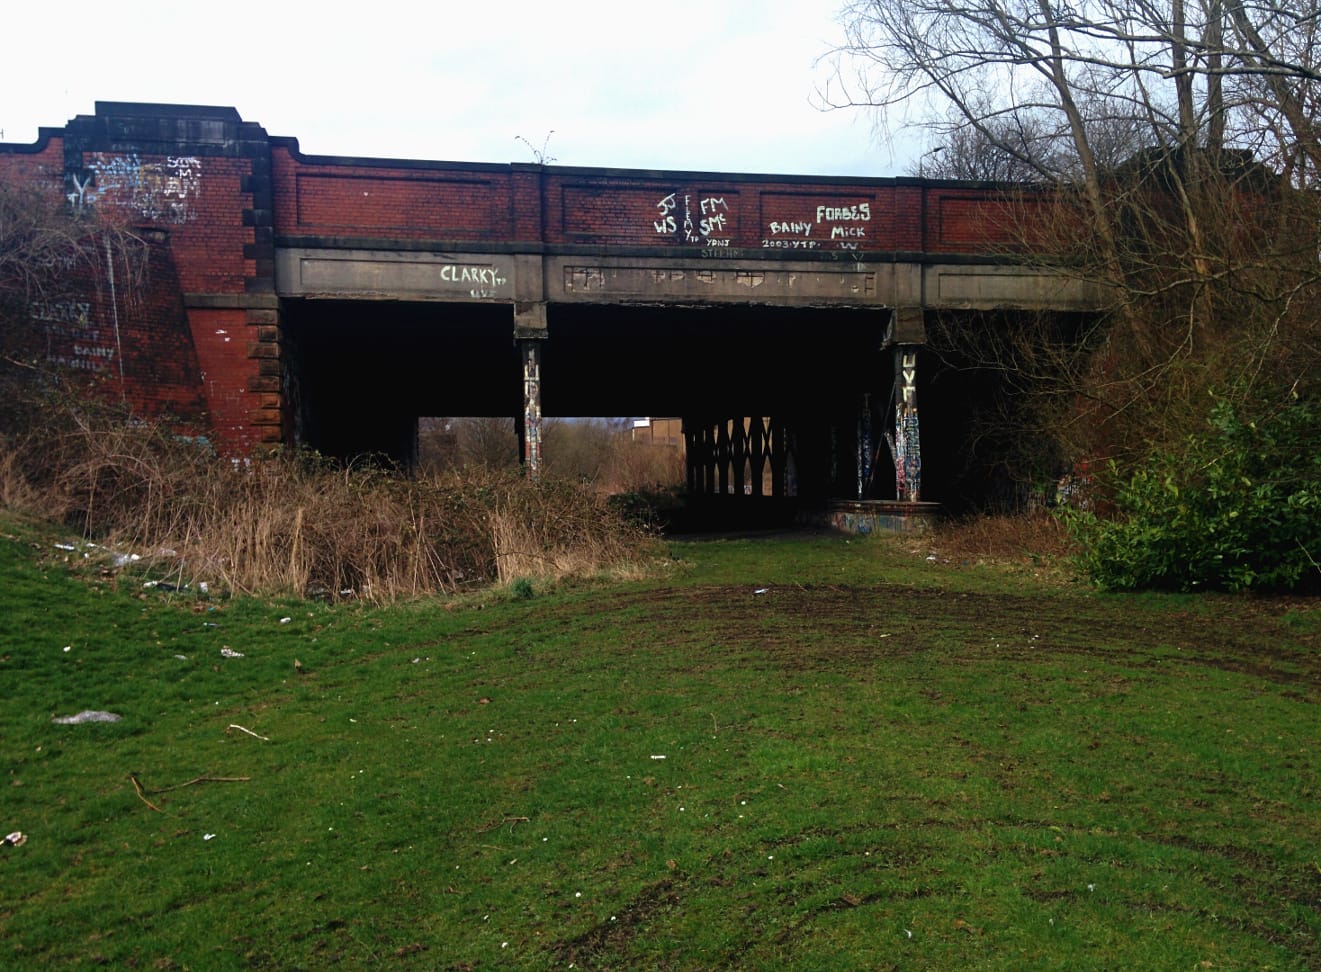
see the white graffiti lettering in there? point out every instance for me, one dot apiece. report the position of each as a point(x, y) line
point(862, 211)
point(76, 312)
point(78, 364)
point(155, 190)
point(908, 368)
point(76, 333)
point(707, 223)
point(666, 224)
point(91, 351)
point(790, 228)
point(78, 198)
point(486, 281)
point(789, 233)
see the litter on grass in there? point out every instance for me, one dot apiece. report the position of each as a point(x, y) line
point(235, 725)
point(16, 839)
point(228, 652)
point(87, 715)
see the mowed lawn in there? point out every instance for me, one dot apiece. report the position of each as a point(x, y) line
point(778, 753)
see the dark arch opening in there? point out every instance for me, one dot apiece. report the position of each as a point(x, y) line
point(361, 372)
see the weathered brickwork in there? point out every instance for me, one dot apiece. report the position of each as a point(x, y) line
point(219, 200)
point(410, 201)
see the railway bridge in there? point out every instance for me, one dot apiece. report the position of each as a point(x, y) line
point(331, 301)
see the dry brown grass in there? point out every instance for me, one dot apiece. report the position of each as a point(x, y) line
point(1028, 538)
point(554, 530)
point(295, 525)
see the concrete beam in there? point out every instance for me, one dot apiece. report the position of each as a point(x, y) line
point(644, 279)
point(390, 275)
point(1003, 287)
point(528, 279)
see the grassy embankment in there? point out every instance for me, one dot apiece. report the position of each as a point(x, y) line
point(798, 753)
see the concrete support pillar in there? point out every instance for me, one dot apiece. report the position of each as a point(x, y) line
point(907, 443)
point(530, 428)
point(529, 333)
point(906, 334)
point(865, 448)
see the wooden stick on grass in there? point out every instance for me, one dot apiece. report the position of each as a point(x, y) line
point(142, 792)
point(500, 823)
point(137, 787)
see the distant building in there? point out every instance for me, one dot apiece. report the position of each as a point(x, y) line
point(659, 431)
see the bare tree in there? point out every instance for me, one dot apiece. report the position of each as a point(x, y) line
point(488, 442)
point(1182, 144)
point(52, 262)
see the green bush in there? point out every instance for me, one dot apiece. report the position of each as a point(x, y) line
point(1237, 508)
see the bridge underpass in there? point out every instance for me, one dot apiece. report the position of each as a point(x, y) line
point(806, 392)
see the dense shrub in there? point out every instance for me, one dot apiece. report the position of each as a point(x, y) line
point(1237, 508)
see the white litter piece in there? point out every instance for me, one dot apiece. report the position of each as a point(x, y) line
point(285, 620)
point(658, 757)
point(235, 725)
point(761, 590)
point(16, 839)
point(228, 652)
point(87, 715)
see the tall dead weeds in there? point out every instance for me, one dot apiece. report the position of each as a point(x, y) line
point(297, 525)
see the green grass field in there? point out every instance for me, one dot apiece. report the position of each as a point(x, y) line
point(792, 753)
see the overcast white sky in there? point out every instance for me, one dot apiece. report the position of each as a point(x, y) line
point(721, 85)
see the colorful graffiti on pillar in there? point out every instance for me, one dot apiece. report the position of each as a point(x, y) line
point(532, 406)
point(907, 444)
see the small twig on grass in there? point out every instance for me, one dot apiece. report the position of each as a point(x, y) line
point(205, 779)
point(235, 725)
point(500, 823)
point(137, 787)
point(142, 792)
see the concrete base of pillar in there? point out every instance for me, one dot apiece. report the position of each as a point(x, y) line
point(864, 517)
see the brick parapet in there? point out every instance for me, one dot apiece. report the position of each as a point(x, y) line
point(526, 207)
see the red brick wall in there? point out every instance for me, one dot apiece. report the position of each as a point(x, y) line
point(193, 333)
point(400, 201)
point(220, 337)
point(198, 207)
point(114, 322)
point(43, 167)
point(203, 339)
point(358, 199)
